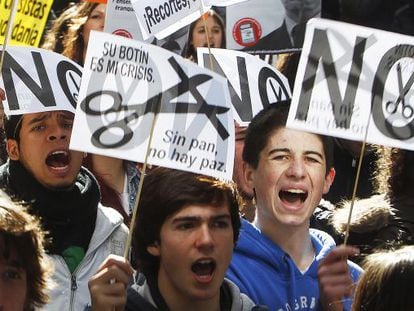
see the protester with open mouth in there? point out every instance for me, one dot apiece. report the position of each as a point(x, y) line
point(43, 171)
point(183, 239)
point(279, 261)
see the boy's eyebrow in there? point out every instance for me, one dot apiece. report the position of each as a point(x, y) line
point(66, 116)
point(38, 119)
point(15, 263)
point(198, 218)
point(62, 115)
point(318, 154)
point(307, 152)
point(278, 150)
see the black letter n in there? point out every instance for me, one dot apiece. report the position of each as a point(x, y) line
point(321, 51)
point(43, 92)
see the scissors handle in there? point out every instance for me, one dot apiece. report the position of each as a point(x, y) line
point(391, 107)
point(407, 111)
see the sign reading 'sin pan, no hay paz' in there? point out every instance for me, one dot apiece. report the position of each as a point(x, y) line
point(126, 82)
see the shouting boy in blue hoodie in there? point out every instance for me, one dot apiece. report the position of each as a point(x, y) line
point(279, 261)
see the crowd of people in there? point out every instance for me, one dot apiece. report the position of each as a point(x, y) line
point(268, 240)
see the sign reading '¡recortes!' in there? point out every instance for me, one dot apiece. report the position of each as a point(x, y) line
point(161, 18)
point(126, 83)
point(354, 81)
point(29, 21)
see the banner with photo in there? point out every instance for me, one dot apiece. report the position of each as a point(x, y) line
point(37, 80)
point(353, 79)
point(253, 84)
point(126, 82)
point(269, 25)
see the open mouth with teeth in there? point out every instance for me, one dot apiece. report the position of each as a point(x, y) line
point(204, 270)
point(58, 159)
point(293, 196)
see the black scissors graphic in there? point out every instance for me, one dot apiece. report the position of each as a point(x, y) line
point(407, 110)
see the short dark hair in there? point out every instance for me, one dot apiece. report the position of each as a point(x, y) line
point(12, 126)
point(22, 233)
point(263, 125)
point(165, 192)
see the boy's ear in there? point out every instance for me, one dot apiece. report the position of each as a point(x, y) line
point(329, 178)
point(13, 149)
point(154, 249)
point(248, 174)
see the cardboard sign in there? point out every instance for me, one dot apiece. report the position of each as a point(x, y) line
point(121, 20)
point(161, 18)
point(37, 80)
point(265, 25)
point(126, 82)
point(253, 84)
point(29, 22)
point(352, 79)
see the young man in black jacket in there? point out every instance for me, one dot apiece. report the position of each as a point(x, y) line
point(185, 232)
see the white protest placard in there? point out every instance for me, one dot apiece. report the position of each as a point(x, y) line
point(38, 80)
point(161, 18)
point(351, 78)
point(121, 20)
point(253, 84)
point(126, 81)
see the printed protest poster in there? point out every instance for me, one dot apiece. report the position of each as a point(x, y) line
point(37, 80)
point(269, 25)
point(160, 18)
point(352, 79)
point(29, 22)
point(121, 20)
point(125, 82)
point(253, 84)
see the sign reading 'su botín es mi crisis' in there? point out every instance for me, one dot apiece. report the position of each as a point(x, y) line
point(126, 82)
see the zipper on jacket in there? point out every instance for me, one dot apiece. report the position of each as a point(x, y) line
point(73, 288)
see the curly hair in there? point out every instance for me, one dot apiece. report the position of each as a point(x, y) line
point(390, 175)
point(21, 232)
point(65, 35)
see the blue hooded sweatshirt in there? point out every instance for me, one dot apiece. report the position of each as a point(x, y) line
point(263, 271)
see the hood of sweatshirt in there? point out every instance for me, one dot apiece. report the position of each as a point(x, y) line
point(252, 243)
